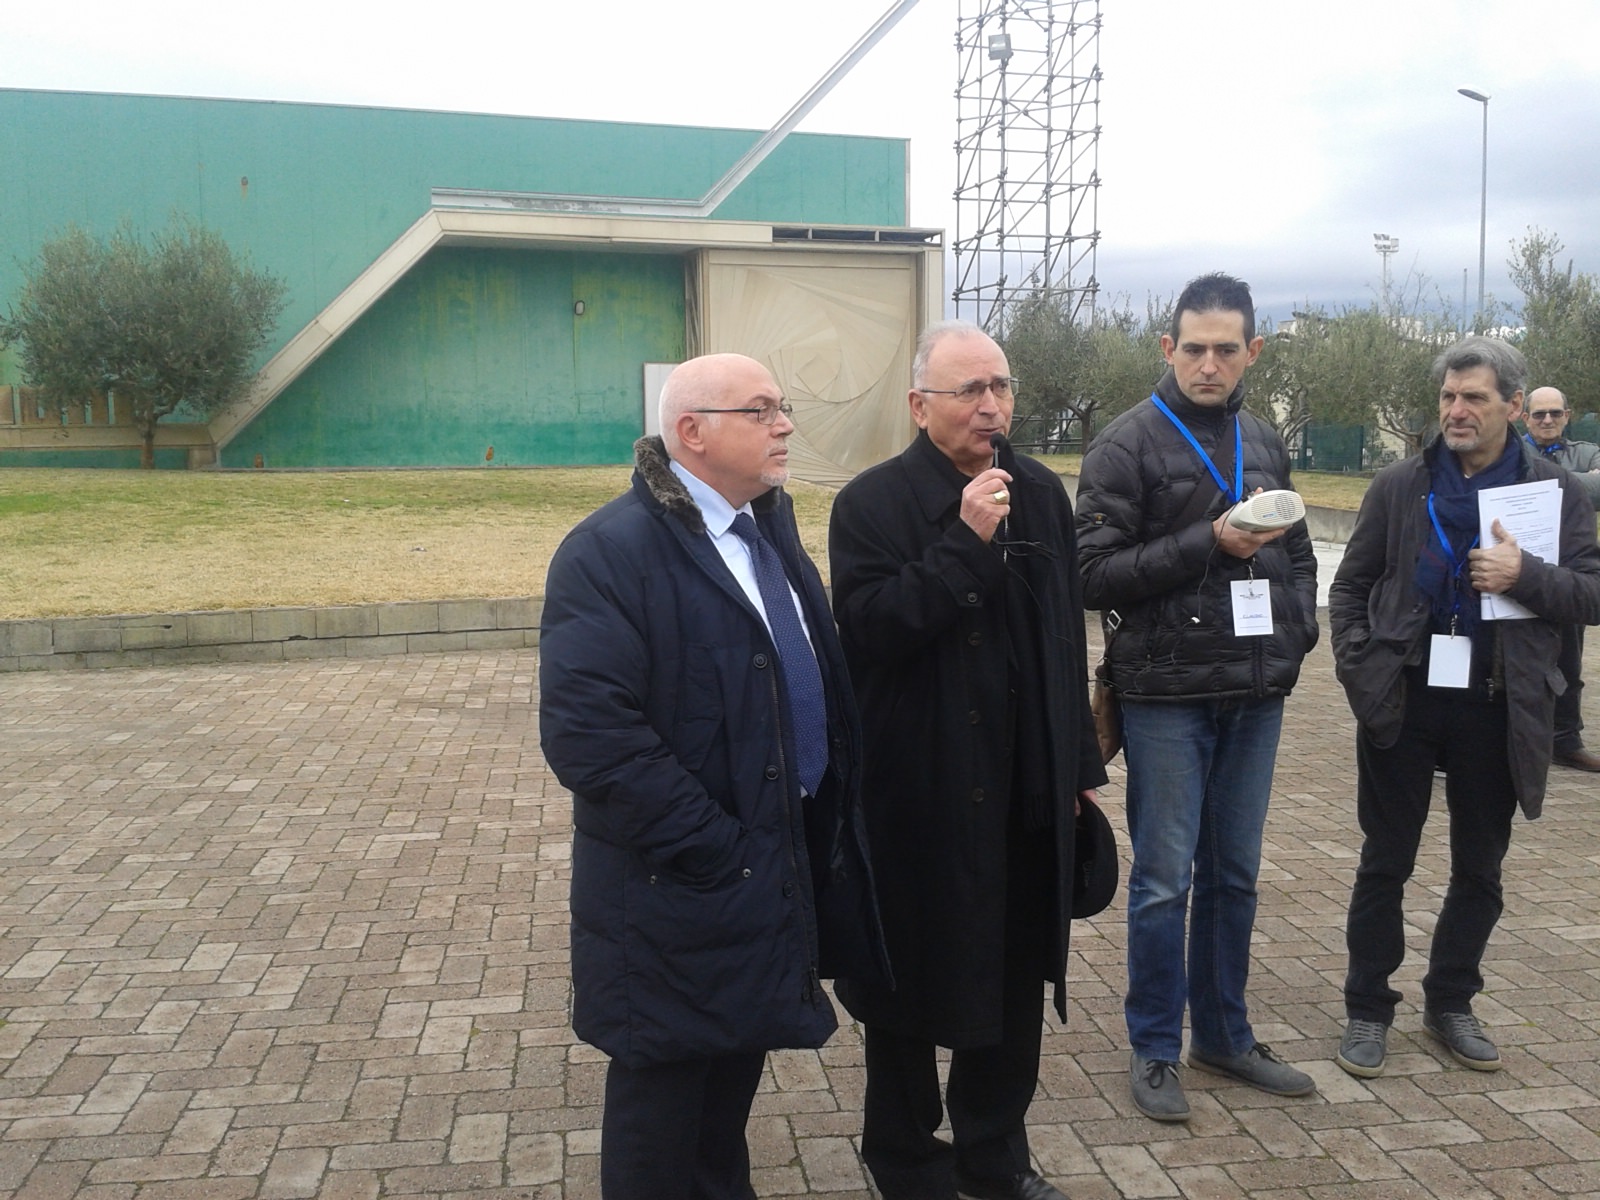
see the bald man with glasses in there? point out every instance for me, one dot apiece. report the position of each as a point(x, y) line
point(1547, 418)
point(695, 701)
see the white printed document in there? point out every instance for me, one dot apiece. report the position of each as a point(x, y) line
point(1529, 512)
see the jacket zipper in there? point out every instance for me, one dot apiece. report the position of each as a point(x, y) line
point(813, 989)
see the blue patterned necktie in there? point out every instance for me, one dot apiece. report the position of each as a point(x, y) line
point(801, 677)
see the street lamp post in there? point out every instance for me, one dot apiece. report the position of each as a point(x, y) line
point(1385, 246)
point(1483, 202)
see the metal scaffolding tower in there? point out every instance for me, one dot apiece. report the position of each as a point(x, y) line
point(1027, 155)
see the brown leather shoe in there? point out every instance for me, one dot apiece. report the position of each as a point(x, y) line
point(1579, 759)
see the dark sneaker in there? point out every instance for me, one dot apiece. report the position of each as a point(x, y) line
point(1259, 1067)
point(1363, 1048)
point(1026, 1186)
point(1156, 1090)
point(1464, 1038)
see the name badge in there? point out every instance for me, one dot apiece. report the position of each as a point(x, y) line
point(1449, 661)
point(1252, 607)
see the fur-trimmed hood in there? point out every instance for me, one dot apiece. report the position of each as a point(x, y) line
point(650, 459)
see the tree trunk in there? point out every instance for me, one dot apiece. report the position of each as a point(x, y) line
point(147, 446)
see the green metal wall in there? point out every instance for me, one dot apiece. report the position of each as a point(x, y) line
point(166, 460)
point(481, 348)
point(315, 192)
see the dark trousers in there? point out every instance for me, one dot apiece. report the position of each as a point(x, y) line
point(676, 1131)
point(1394, 786)
point(1569, 718)
point(990, 1087)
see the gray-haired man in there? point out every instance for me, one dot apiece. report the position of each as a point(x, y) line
point(1430, 681)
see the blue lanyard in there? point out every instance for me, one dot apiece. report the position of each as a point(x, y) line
point(1237, 492)
point(1455, 563)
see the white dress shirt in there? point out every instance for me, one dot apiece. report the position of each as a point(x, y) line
point(718, 515)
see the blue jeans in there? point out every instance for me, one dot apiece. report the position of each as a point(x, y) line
point(1199, 775)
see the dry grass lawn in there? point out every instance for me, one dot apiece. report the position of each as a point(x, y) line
point(90, 542)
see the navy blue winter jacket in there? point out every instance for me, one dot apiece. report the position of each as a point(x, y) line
point(699, 876)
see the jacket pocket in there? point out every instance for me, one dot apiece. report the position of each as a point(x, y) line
point(697, 921)
point(1555, 681)
point(1370, 672)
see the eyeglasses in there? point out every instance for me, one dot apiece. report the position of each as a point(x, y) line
point(1555, 414)
point(767, 414)
point(1003, 387)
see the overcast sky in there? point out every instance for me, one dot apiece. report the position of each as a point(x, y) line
point(1271, 140)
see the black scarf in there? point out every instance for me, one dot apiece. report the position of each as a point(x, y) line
point(1444, 585)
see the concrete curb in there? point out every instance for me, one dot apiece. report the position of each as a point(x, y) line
point(344, 631)
point(268, 634)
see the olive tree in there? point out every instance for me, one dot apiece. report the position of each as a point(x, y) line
point(1560, 319)
point(173, 323)
point(1080, 372)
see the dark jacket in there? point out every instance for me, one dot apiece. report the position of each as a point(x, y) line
point(1381, 624)
point(698, 876)
point(920, 602)
point(1146, 504)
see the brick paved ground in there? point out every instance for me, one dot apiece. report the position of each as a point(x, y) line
point(299, 930)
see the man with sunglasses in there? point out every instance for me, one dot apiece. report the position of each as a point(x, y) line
point(956, 588)
point(1211, 622)
point(1547, 416)
point(693, 697)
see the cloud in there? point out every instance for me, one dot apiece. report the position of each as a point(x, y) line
point(1272, 141)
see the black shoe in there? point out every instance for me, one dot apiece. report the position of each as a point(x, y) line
point(1579, 759)
point(1156, 1090)
point(1461, 1034)
point(1363, 1048)
point(1026, 1186)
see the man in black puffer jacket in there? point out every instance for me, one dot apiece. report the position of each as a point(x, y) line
point(1212, 623)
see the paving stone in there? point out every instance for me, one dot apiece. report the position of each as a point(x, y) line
point(294, 1173)
point(831, 1164)
point(306, 921)
point(534, 1158)
point(1134, 1173)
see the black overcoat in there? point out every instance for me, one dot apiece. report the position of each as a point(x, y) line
point(922, 616)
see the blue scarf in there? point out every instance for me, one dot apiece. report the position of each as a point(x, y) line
point(1444, 584)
